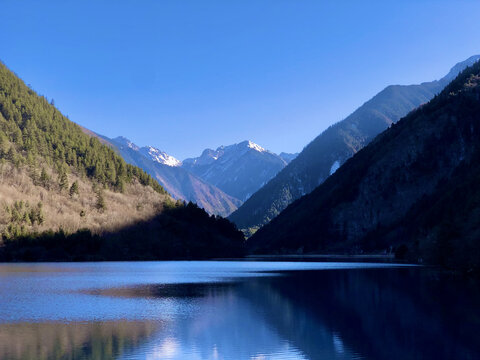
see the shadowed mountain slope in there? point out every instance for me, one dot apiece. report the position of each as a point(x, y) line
point(324, 155)
point(414, 189)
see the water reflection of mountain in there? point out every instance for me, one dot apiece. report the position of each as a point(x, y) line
point(224, 325)
point(329, 314)
point(376, 314)
point(97, 340)
point(372, 314)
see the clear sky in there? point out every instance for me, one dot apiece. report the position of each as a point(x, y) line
point(186, 75)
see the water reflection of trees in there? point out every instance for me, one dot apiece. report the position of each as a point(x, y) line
point(368, 313)
point(378, 314)
point(97, 340)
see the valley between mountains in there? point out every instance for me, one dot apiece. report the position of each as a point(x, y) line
point(397, 176)
point(253, 185)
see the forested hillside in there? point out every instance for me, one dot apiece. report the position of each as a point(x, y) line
point(325, 154)
point(54, 178)
point(413, 190)
point(33, 129)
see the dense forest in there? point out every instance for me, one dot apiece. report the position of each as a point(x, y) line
point(34, 133)
point(413, 190)
point(64, 195)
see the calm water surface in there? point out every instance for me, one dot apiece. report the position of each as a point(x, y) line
point(235, 310)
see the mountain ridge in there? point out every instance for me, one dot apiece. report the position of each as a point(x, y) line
point(411, 190)
point(178, 182)
point(238, 169)
point(334, 146)
point(160, 156)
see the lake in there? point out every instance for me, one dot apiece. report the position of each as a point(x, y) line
point(236, 310)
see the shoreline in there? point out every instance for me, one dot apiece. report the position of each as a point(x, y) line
point(384, 258)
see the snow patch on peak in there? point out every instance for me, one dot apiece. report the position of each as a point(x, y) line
point(159, 156)
point(247, 144)
point(334, 167)
point(256, 147)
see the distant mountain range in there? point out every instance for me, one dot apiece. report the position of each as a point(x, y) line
point(217, 181)
point(413, 190)
point(325, 154)
point(178, 182)
point(240, 169)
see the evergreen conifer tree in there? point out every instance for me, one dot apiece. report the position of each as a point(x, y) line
point(63, 181)
point(74, 189)
point(101, 205)
point(44, 179)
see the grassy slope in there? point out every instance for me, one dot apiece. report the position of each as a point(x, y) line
point(61, 211)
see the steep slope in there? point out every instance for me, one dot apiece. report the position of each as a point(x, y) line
point(239, 170)
point(53, 176)
point(64, 193)
point(414, 188)
point(324, 155)
point(178, 182)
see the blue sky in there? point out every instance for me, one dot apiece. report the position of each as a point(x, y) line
point(187, 75)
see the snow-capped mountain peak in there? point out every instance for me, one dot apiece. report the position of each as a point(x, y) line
point(159, 156)
point(149, 152)
point(238, 169)
point(254, 146)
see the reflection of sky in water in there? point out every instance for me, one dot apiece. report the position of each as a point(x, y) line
point(223, 327)
point(36, 292)
point(233, 310)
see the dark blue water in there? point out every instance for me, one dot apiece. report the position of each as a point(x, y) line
point(236, 310)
